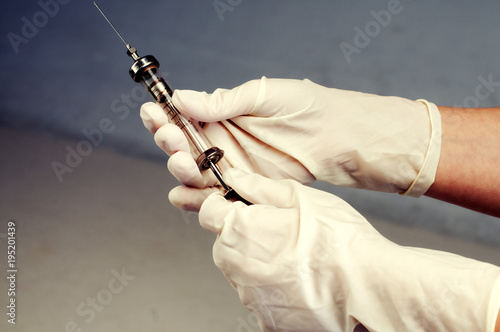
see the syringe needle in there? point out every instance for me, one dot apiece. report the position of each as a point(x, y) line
point(111, 24)
point(145, 70)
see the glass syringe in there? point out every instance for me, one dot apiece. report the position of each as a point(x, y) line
point(145, 70)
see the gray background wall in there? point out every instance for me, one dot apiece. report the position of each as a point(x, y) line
point(71, 71)
point(66, 77)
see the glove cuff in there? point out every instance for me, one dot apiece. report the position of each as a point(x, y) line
point(427, 174)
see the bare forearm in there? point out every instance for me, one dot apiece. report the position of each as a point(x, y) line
point(468, 172)
point(497, 327)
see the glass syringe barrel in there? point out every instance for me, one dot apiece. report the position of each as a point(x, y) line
point(145, 70)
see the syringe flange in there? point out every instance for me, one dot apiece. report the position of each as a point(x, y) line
point(212, 155)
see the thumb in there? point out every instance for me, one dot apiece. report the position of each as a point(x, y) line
point(222, 104)
point(258, 189)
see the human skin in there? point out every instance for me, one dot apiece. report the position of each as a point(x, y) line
point(468, 172)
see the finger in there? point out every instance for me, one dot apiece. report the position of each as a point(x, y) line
point(222, 104)
point(261, 190)
point(153, 116)
point(190, 199)
point(250, 236)
point(254, 215)
point(184, 168)
point(212, 212)
point(171, 139)
point(258, 189)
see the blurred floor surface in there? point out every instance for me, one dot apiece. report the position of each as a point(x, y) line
point(103, 250)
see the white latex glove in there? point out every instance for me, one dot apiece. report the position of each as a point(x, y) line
point(304, 260)
point(299, 130)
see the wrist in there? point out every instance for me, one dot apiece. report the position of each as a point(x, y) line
point(427, 173)
point(466, 174)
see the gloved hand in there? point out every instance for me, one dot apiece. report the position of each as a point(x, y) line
point(299, 130)
point(304, 260)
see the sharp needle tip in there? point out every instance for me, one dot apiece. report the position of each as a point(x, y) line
point(112, 26)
